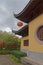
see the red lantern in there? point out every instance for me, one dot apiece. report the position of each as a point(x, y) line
point(19, 24)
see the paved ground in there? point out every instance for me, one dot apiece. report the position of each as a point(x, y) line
point(5, 60)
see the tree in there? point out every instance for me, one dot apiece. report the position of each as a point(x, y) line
point(7, 39)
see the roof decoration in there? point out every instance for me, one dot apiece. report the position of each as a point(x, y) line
point(19, 24)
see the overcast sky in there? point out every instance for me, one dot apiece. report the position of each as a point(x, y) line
point(7, 8)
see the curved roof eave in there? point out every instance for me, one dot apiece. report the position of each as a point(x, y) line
point(21, 31)
point(28, 9)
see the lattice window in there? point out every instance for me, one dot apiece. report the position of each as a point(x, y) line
point(40, 33)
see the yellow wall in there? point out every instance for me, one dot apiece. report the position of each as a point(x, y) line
point(22, 42)
point(35, 45)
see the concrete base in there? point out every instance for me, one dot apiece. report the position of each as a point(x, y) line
point(29, 61)
point(25, 51)
point(36, 56)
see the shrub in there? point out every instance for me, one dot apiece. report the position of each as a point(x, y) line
point(18, 53)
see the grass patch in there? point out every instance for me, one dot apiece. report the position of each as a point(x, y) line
point(14, 58)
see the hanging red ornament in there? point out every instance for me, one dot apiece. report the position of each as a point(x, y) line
point(19, 24)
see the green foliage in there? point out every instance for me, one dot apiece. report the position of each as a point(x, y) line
point(18, 53)
point(4, 51)
point(13, 57)
point(7, 39)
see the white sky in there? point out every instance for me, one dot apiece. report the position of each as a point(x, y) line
point(7, 7)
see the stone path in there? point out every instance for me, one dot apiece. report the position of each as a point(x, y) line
point(5, 60)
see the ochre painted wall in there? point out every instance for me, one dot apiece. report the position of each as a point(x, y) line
point(34, 44)
point(22, 43)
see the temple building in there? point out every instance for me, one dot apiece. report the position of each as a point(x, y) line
point(32, 33)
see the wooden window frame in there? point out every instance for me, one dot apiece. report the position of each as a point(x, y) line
point(40, 33)
point(26, 43)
